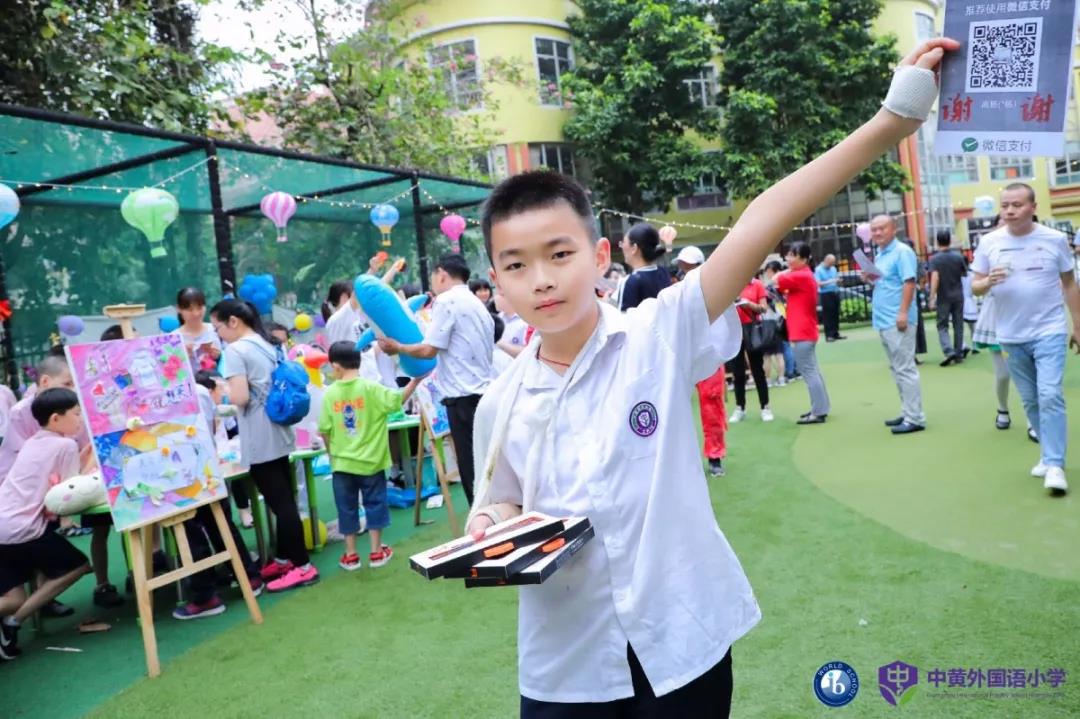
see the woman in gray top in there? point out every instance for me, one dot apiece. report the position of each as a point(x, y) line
point(250, 358)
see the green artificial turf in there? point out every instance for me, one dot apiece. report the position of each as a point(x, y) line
point(861, 547)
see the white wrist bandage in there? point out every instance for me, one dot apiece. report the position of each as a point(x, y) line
point(912, 93)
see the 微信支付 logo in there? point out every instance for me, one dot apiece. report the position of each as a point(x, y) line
point(836, 684)
point(897, 682)
point(969, 144)
point(643, 419)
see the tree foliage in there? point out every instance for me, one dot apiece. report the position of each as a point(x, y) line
point(798, 76)
point(634, 119)
point(129, 60)
point(373, 97)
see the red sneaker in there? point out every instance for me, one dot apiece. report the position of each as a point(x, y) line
point(274, 569)
point(295, 577)
point(381, 557)
point(350, 562)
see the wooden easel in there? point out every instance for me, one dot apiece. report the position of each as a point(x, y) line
point(141, 540)
point(437, 456)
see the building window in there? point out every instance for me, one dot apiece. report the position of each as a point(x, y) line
point(924, 27)
point(461, 74)
point(553, 58)
point(708, 193)
point(960, 168)
point(491, 164)
point(1067, 169)
point(1010, 168)
point(702, 87)
point(556, 157)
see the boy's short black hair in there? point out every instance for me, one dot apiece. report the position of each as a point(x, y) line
point(500, 326)
point(533, 191)
point(56, 351)
point(454, 265)
point(207, 378)
point(55, 400)
point(345, 354)
point(116, 332)
point(277, 327)
point(944, 238)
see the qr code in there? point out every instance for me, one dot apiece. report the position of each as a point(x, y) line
point(1004, 55)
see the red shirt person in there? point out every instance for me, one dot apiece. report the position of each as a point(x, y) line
point(801, 289)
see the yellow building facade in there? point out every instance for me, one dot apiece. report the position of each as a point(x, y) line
point(462, 34)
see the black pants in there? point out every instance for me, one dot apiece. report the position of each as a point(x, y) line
point(274, 483)
point(707, 697)
point(920, 327)
point(204, 540)
point(239, 493)
point(830, 314)
point(737, 368)
point(461, 411)
point(951, 310)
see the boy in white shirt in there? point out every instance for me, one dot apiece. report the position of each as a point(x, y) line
point(595, 419)
point(1028, 268)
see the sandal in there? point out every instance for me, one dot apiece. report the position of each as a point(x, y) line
point(1003, 421)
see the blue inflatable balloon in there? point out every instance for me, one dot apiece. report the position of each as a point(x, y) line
point(260, 291)
point(368, 336)
point(168, 323)
point(385, 311)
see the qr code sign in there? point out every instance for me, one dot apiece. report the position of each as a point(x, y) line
point(1004, 55)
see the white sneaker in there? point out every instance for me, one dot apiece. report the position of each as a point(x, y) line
point(782, 382)
point(1055, 479)
point(1039, 470)
point(737, 416)
point(767, 415)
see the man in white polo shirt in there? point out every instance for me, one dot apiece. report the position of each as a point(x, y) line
point(462, 336)
point(1028, 268)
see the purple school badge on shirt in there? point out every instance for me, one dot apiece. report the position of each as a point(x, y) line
point(643, 419)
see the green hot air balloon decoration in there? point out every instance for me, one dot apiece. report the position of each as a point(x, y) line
point(151, 210)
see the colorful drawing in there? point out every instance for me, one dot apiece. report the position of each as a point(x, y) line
point(430, 399)
point(155, 451)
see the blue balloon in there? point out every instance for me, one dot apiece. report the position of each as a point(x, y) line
point(385, 311)
point(168, 323)
point(260, 291)
point(384, 216)
point(9, 205)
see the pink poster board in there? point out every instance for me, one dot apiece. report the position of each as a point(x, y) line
point(139, 401)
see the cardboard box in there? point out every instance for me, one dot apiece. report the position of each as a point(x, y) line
point(538, 572)
point(506, 566)
point(457, 558)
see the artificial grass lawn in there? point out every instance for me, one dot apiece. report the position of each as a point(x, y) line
point(839, 574)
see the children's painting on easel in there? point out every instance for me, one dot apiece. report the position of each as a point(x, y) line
point(430, 399)
point(156, 453)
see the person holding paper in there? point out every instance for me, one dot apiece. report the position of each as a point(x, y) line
point(594, 419)
point(1028, 269)
point(894, 317)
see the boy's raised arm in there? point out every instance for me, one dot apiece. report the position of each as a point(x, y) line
point(774, 212)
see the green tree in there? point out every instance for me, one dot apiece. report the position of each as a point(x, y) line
point(798, 76)
point(130, 60)
point(634, 117)
point(373, 96)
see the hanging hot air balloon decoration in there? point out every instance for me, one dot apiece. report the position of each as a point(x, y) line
point(667, 234)
point(278, 208)
point(151, 210)
point(453, 226)
point(9, 205)
point(384, 217)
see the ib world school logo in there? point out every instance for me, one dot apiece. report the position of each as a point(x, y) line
point(643, 419)
point(836, 684)
point(897, 682)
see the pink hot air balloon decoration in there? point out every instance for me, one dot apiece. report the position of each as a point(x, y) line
point(667, 234)
point(278, 208)
point(453, 226)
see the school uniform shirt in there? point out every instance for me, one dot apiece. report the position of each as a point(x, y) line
point(22, 494)
point(642, 284)
point(344, 325)
point(353, 417)
point(463, 331)
point(7, 401)
point(754, 292)
point(614, 440)
point(21, 427)
point(800, 291)
point(514, 329)
point(1029, 303)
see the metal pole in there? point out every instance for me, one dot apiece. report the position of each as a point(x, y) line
point(222, 234)
point(421, 242)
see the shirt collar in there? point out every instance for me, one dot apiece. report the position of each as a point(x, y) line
point(611, 325)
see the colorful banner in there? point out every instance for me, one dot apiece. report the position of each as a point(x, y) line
point(139, 401)
point(1006, 91)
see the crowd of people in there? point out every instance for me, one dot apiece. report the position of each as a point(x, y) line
point(566, 380)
